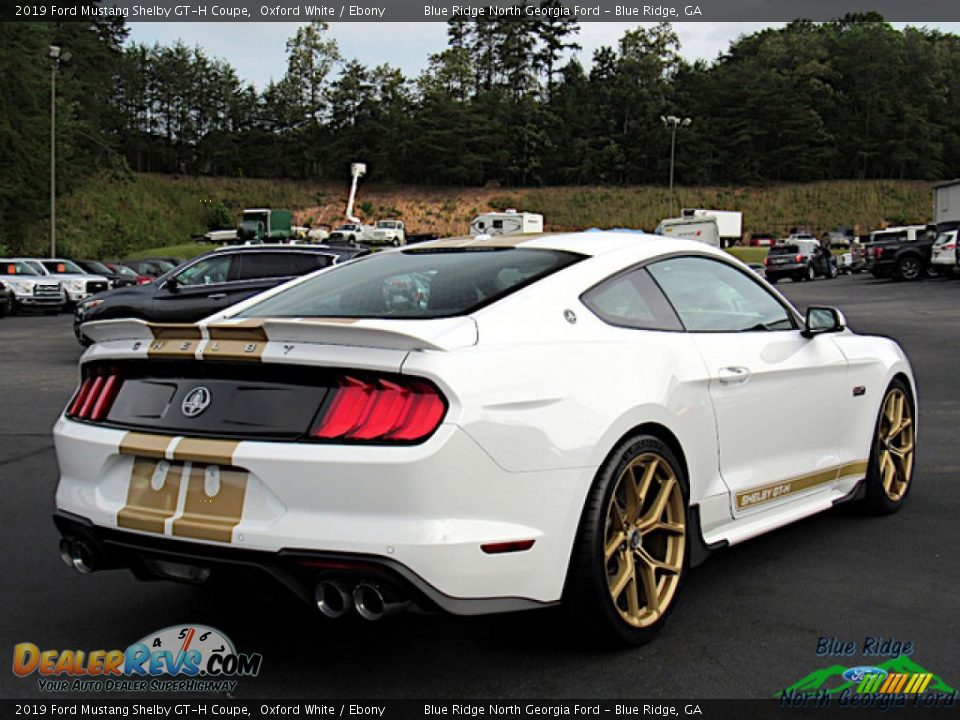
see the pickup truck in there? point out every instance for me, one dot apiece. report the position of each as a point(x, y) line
point(901, 253)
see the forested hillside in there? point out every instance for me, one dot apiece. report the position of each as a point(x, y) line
point(503, 104)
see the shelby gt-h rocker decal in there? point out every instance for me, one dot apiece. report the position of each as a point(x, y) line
point(429, 426)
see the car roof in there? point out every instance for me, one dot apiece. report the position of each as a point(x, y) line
point(593, 243)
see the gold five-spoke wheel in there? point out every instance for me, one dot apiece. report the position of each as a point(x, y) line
point(896, 437)
point(645, 539)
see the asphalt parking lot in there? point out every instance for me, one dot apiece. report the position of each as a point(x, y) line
point(746, 626)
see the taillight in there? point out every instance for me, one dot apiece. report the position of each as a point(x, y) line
point(766, 261)
point(95, 396)
point(381, 410)
point(798, 258)
point(877, 252)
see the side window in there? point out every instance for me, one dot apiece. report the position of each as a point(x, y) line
point(712, 296)
point(261, 265)
point(632, 300)
point(208, 271)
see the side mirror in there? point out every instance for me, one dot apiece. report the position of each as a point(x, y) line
point(171, 285)
point(822, 320)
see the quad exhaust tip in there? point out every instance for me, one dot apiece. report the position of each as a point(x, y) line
point(373, 603)
point(333, 600)
point(77, 554)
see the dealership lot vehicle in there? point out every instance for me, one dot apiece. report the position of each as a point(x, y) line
point(612, 476)
point(152, 268)
point(6, 299)
point(733, 601)
point(77, 283)
point(798, 260)
point(210, 283)
point(944, 251)
point(31, 289)
point(900, 253)
point(117, 279)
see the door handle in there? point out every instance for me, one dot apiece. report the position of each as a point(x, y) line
point(733, 375)
point(217, 296)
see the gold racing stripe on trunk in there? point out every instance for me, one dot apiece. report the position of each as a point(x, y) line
point(783, 488)
point(212, 515)
point(148, 508)
point(201, 450)
point(144, 445)
point(245, 340)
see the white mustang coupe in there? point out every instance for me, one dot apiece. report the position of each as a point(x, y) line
point(480, 425)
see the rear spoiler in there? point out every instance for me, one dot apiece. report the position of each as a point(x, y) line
point(435, 334)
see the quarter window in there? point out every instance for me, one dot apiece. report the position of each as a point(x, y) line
point(712, 296)
point(632, 300)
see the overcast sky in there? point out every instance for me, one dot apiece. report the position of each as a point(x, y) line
point(258, 50)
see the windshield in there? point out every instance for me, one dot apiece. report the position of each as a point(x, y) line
point(124, 270)
point(413, 284)
point(63, 267)
point(15, 267)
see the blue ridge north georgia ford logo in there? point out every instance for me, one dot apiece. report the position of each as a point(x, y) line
point(196, 401)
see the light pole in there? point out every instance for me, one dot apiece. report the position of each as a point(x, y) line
point(56, 57)
point(672, 122)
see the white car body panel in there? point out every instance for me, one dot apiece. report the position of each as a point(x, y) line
point(539, 391)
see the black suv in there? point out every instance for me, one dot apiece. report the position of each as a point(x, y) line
point(803, 260)
point(210, 283)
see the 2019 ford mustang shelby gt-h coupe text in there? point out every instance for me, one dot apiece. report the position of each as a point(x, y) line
point(480, 425)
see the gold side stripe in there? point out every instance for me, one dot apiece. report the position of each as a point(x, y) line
point(774, 491)
point(201, 450)
point(144, 445)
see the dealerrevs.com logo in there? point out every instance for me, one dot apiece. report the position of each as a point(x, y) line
point(187, 658)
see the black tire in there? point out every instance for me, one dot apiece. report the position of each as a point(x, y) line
point(909, 268)
point(811, 273)
point(879, 500)
point(772, 280)
point(588, 597)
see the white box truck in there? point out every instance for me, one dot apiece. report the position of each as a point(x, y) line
point(702, 228)
point(509, 222)
point(729, 223)
point(946, 204)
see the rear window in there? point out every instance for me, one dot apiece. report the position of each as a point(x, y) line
point(784, 250)
point(420, 283)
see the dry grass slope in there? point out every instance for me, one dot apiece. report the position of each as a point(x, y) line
point(121, 215)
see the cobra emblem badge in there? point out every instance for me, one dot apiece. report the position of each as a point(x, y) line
point(196, 401)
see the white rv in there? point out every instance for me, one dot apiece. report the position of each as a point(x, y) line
point(510, 222)
point(702, 228)
point(729, 223)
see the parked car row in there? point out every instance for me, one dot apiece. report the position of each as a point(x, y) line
point(210, 283)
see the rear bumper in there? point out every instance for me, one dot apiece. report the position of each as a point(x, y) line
point(427, 509)
point(295, 570)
